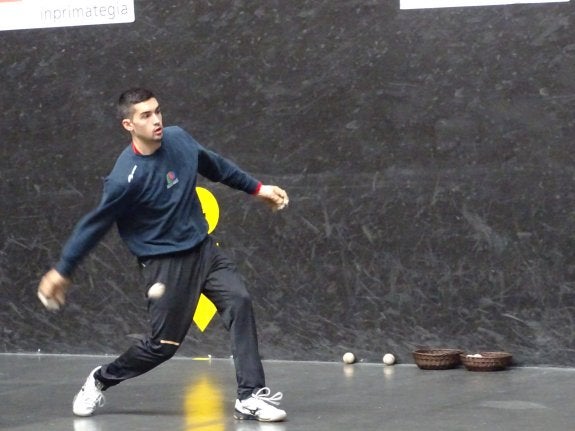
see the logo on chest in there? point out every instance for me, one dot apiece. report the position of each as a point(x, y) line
point(171, 179)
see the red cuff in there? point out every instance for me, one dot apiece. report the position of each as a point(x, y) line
point(257, 190)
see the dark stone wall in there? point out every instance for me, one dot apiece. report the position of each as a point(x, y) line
point(427, 155)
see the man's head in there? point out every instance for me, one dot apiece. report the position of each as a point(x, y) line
point(131, 97)
point(141, 115)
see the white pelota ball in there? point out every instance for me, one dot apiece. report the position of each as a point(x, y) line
point(348, 358)
point(156, 291)
point(388, 359)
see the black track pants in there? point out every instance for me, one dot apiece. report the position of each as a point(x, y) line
point(205, 269)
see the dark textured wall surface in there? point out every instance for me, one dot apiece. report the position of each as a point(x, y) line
point(428, 155)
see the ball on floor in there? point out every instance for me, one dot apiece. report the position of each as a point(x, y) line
point(348, 358)
point(388, 359)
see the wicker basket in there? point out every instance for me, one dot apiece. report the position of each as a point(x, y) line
point(486, 361)
point(437, 359)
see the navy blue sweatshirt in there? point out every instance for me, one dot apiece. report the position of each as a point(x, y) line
point(153, 200)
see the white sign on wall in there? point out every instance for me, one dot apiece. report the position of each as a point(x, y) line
point(22, 14)
point(426, 4)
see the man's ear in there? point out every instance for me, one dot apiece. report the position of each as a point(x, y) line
point(128, 125)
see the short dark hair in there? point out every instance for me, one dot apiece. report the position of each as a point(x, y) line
point(131, 97)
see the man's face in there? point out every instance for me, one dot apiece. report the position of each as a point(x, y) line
point(145, 124)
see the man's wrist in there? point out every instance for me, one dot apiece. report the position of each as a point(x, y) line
point(258, 188)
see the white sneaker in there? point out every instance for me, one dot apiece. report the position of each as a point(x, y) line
point(90, 396)
point(260, 407)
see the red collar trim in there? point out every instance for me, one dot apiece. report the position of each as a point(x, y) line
point(135, 149)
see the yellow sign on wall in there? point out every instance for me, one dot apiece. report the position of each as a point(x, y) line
point(210, 207)
point(206, 310)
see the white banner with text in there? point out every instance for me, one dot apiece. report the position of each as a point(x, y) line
point(430, 4)
point(23, 14)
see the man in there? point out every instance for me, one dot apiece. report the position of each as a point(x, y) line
point(150, 195)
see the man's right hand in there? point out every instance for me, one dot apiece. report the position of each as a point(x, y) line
point(53, 287)
point(274, 196)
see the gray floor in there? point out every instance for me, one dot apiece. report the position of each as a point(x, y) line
point(184, 394)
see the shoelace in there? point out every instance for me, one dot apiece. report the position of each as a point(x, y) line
point(264, 395)
point(98, 402)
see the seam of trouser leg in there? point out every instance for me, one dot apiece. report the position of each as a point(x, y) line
point(173, 343)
